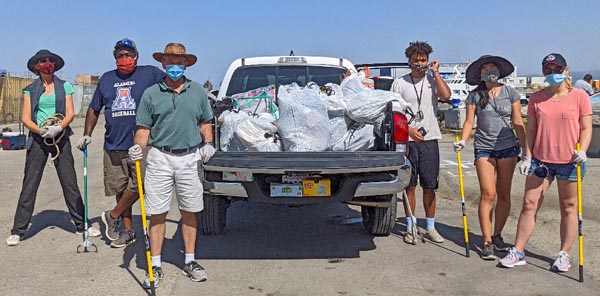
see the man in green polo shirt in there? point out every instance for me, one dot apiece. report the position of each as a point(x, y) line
point(167, 120)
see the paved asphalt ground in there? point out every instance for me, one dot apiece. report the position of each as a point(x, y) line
point(276, 251)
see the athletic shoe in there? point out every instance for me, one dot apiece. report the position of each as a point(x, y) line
point(195, 272)
point(499, 243)
point(562, 262)
point(112, 226)
point(92, 232)
point(158, 276)
point(13, 240)
point(126, 238)
point(409, 237)
point(433, 236)
point(512, 259)
point(487, 252)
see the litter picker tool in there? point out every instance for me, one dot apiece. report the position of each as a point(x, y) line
point(145, 226)
point(462, 200)
point(415, 230)
point(579, 217)
point(85, 244)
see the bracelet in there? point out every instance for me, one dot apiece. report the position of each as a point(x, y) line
point(435, 72)
point(209, 143)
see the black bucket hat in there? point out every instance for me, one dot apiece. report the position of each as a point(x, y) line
point(43, 54)
point(473, 73)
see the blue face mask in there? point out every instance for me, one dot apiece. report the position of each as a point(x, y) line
point(175, 71)
point(555, 79)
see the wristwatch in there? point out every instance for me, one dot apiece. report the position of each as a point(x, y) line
point(435, 72)
point(209, 143)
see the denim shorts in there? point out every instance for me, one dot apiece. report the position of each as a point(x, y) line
point(566, 171)
point(497, 154)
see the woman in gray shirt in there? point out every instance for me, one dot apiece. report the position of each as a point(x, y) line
point(498, 110)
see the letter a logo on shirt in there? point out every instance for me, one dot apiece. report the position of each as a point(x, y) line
point(123, 101)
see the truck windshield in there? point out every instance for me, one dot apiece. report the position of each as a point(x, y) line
point(248, 78)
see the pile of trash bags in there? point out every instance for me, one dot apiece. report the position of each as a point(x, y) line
point(331, 117)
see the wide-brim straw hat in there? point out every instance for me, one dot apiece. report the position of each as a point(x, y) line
point(473, 73)
point(45, 54)
point(175, 49)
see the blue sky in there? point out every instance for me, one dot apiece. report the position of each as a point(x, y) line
point(84, 32)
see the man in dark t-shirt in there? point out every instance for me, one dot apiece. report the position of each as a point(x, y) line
point(119, 92)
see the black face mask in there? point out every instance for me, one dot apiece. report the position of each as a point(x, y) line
point(418, 68)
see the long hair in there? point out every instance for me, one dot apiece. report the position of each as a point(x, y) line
point(569, 83)
point(482, 93)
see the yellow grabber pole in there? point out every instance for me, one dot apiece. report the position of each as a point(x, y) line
point(580, 217)
point(462, 200)
point(145, 225)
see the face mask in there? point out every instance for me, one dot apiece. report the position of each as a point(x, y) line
point(175, 71)
point(126, 65)
point(491, 76)
point(417, 68)
point(555, 79)
point(46, 68)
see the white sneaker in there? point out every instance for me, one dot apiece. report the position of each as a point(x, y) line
point(92, 232)
point(13, 240)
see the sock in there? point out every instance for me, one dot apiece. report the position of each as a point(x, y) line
point(189, 258)
point(410, 223)
point(430, 223)
point(156, 261)
point(520, 254)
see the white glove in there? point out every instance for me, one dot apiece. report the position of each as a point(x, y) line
point(83, 142)
point(524, 165)
point(458, 145)
point(51, 131)
point(579, 156)
point(135, 152)
point(206, 152)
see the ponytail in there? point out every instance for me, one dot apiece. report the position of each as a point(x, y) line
point(569, 83)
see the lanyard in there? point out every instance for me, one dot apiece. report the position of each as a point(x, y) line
point(419, 95)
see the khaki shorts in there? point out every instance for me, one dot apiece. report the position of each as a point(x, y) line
point(119, 172)
point(168, 175)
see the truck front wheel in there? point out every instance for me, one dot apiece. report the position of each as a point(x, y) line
point(380, 221)
point(214, 215)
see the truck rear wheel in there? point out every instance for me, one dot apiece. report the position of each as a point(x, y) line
point(380, 221)
point(214, 215)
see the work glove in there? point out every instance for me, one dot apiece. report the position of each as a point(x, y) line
point(51, 131)
point(458, 145)
point(135, 152)
point(524, 165)
point(579, 156)
point(206, 152)
point(83, 142)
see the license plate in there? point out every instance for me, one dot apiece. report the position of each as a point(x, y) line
point(238, 176)
point(286, 190)
point(316, 187)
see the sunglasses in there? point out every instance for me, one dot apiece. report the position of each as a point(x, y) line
point(555, 70)
point(43, 60)
point(126, 42)
point(541, 171)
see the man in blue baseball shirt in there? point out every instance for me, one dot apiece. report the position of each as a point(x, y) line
point(119, 91)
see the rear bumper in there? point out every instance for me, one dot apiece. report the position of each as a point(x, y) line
point(353, 187)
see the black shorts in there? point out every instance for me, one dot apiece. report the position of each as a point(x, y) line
point(424, 159)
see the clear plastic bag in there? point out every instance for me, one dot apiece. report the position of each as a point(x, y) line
point(228, 122)
point(303, 123)
point(258, 134)
point(366, 105)
point(358, 138)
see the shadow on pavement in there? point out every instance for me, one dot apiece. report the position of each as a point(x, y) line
point(262, 231)
point(49, 219)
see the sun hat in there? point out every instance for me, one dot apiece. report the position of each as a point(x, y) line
point(45, 54)
point(175, 49)
point(473, 73)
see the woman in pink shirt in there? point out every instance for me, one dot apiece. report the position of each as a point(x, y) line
point(559, 117)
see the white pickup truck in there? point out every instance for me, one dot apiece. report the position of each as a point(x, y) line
point(370, 179)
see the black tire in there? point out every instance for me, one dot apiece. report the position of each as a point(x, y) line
point(214, 216)
point(380, 221)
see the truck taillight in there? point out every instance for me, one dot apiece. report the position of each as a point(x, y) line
point(400, 132)
point(400, 128)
